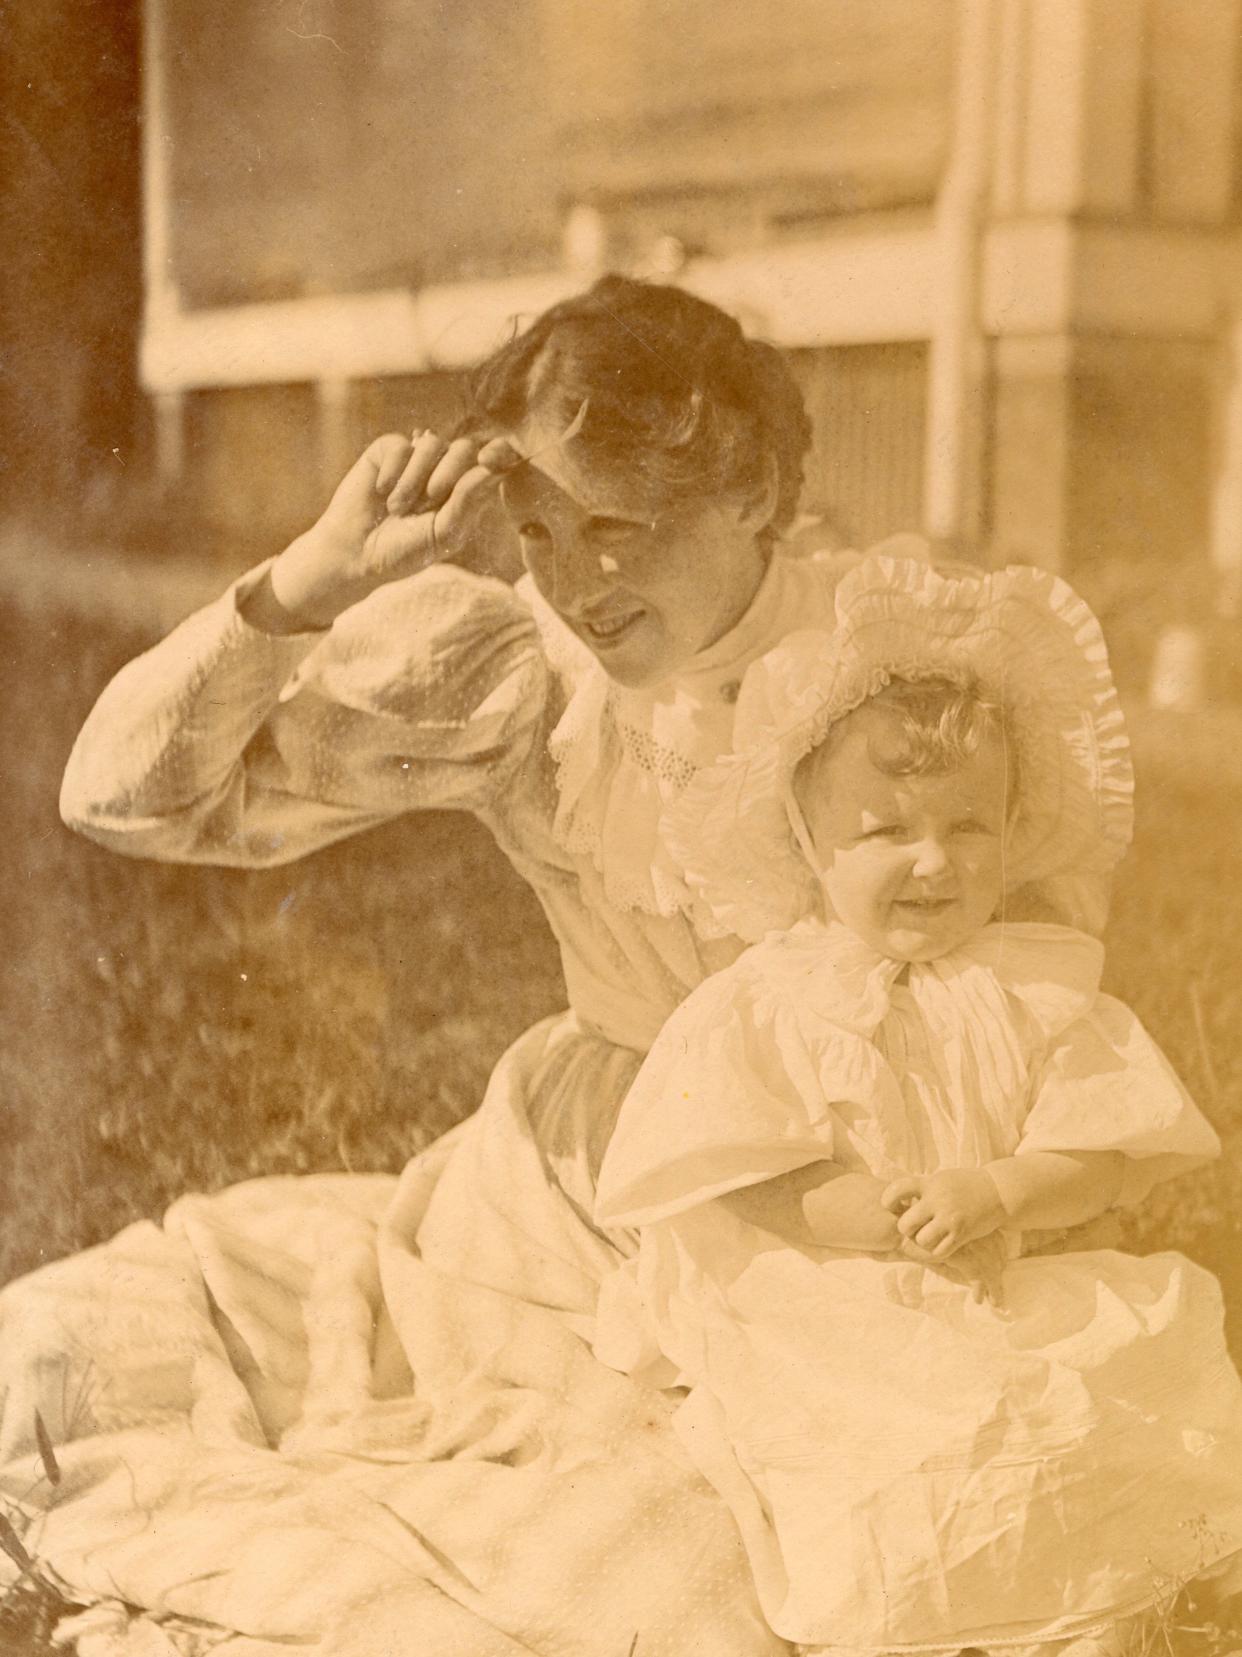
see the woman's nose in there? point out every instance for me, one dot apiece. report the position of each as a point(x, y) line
point(930, 858)
point(574, 582)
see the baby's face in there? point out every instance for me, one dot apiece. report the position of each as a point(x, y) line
point(913, 865)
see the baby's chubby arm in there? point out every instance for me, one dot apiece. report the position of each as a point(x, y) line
point(823, 1205)
point(1037, 1191)
point(820, 1204)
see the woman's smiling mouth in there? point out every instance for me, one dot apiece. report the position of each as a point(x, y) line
point(611, 629)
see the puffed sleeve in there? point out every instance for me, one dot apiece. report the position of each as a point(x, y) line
point(226, 745)
point(729, 1095)
point(1106, 1086)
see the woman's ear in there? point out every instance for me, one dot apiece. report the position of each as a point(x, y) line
point(759, 504)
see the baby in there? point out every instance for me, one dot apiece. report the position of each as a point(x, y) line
point(841, 1151)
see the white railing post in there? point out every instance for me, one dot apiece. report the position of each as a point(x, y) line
point(160, 299)
point(953, 447)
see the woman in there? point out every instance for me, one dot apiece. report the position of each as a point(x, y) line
point(332, 1408)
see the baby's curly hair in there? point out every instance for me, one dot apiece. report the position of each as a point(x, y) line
point(674, 392)
point(934, 726)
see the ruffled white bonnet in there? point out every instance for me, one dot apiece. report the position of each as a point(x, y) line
point(1021, 636)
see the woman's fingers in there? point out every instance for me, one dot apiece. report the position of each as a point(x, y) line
point(499, 454)
point(440, 532)
point(459, 458)
point(389, 455)
point(434, 470)
point(409, 492)
point(461, 514)
point(432, 492)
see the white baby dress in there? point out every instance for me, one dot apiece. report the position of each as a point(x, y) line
point(912, 1468)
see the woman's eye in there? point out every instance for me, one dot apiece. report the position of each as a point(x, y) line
point(532, 531)
point(885, 831)
point(619, 534)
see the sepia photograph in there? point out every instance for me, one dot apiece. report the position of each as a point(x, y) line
point(620, 851)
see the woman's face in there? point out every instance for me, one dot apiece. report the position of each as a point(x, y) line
point(643, 582)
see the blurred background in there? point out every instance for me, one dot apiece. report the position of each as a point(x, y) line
point(997, 237)
point(1001, 241)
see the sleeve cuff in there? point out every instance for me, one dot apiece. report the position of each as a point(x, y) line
point(243, 588)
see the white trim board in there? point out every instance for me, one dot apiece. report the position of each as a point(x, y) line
point(873, 283)
point(861, 285)
point(1053, 276)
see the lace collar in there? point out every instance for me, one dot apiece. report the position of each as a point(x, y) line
point(623, 755)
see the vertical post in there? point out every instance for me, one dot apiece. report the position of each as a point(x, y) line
point(170, 436)
point(334, 436)
point(1009, 115)
point(1193, 56)
point(1226, 520)
point(1069, 178)
point(1083, 106)
point(159, 287)
point(584, 241)
point(953, 450)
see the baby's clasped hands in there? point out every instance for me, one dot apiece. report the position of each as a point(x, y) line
point(952, 1218)
point(942, 1212)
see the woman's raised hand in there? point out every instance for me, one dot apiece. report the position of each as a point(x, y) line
point(405, 503)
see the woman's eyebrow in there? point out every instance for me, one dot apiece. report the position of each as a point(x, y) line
point(606, 520)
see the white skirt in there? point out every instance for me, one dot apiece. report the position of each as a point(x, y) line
point(361, 1414)
point(913, 1470)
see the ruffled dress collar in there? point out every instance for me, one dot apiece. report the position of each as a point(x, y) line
point(622, 756)
point(908, 1068)
point(986, 1007)
point(1053, 971)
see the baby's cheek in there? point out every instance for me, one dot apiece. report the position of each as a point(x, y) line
point(989, 890)
point(983, 863)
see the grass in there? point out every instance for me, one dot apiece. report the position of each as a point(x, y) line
point(165, 1029)
point(170, 1028)
point(1172, 955)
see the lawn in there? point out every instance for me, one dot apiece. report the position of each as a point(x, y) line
point(1173, 955)
point(164, 1029)
point(168, 1028)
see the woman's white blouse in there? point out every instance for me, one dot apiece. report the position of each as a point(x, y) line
point(226, 745)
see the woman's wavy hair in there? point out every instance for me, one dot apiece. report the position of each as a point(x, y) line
point(674, 392)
